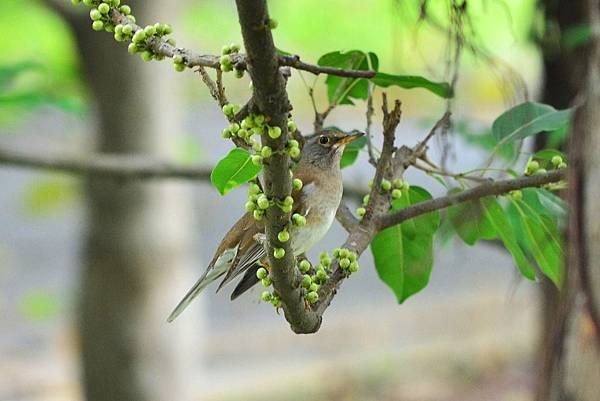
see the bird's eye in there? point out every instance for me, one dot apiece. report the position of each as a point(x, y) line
point(323, 140)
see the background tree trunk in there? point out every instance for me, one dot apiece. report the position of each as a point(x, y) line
point(569, 361)
point(137, 247)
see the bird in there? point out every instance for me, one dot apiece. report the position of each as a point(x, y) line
point(242, 249)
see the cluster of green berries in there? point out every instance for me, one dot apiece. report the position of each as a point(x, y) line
point(99, 14)
point(313, 279)
point(226, 62)
point(258, 203)
point(101, 20)
point(534, 166)
point(139, 42)
point(395, 189)
point(347, 259)
point(263, 275)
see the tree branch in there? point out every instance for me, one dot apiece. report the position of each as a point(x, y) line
point(481, 191)
point(123, 167)
point(271, 100)
point(239, 60)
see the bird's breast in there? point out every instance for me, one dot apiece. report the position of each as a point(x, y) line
point(321, 204)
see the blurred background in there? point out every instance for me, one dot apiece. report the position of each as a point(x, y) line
point(90, 269)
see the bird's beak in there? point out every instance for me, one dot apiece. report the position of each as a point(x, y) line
point(348, 138)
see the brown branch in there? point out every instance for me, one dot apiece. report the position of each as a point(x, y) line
point(122, 167)
point(271, 99)
point(192, 59)
point(481, 191)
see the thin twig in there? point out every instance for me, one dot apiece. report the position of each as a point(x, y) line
point(369, 117)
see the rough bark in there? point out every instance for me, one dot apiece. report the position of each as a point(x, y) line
point(135, 249)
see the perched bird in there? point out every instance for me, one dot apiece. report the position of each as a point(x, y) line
point(242, 252)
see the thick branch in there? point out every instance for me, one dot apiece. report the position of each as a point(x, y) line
point(115, 166)
point(271, 99)
point(491, 189)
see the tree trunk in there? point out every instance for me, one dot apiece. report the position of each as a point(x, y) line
point(570, 365)
point(136, 249)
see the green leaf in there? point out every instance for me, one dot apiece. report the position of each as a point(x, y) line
point(341, 90)
point(39, 305)
point(484, 140)
point(10, 72)
point(528, 119)
point(404, 253)
point(233, 170)
point(351, 152)
point(548, 154)
point(384, 80)
point(576, 36)
point(551, 204)
point(538, 235)
point(470, 222)
point(497, 218)
point(50, 195)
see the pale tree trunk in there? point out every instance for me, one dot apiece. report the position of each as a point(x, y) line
point(137, 246)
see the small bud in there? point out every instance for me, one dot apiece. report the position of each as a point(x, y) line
point(365, 199)
point(266, 282)
point(149, 31)
point(225, 50)
point(288, 200)
point(386, 185)
point(557, 160)
point(274, 132)
point(344, 263)
point(299, 220)
point(250, 206)
point(532, 167)
point(283, 236)
point(562, 166)
point(127, 30)
point(95, 15)
point(314, 287)
point(312, 297)
point(361, 211)
point(259, 119)
point(304, 266)
point(294, 152)
point(291, 126)
point(98, 25)
point(147, 55)
point(266, 296)
point(125, 10)
point(353, 268)
point(306, 281)
point(266, 152)
point(297, 184)
point(262, 273)
point(396, 193)
point(253, 189)
point(258, 214)
point(263, 202)
point(239, 74)
point(257, 160)
point(398, 183)
point(516, 195)
point(278, 253)
point(103, 8)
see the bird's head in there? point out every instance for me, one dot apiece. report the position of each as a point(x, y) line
point(325, 148)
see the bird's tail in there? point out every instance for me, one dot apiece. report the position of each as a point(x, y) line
point(210, 275)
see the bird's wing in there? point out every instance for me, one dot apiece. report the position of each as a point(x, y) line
point(231, 247)
point(250, 253)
